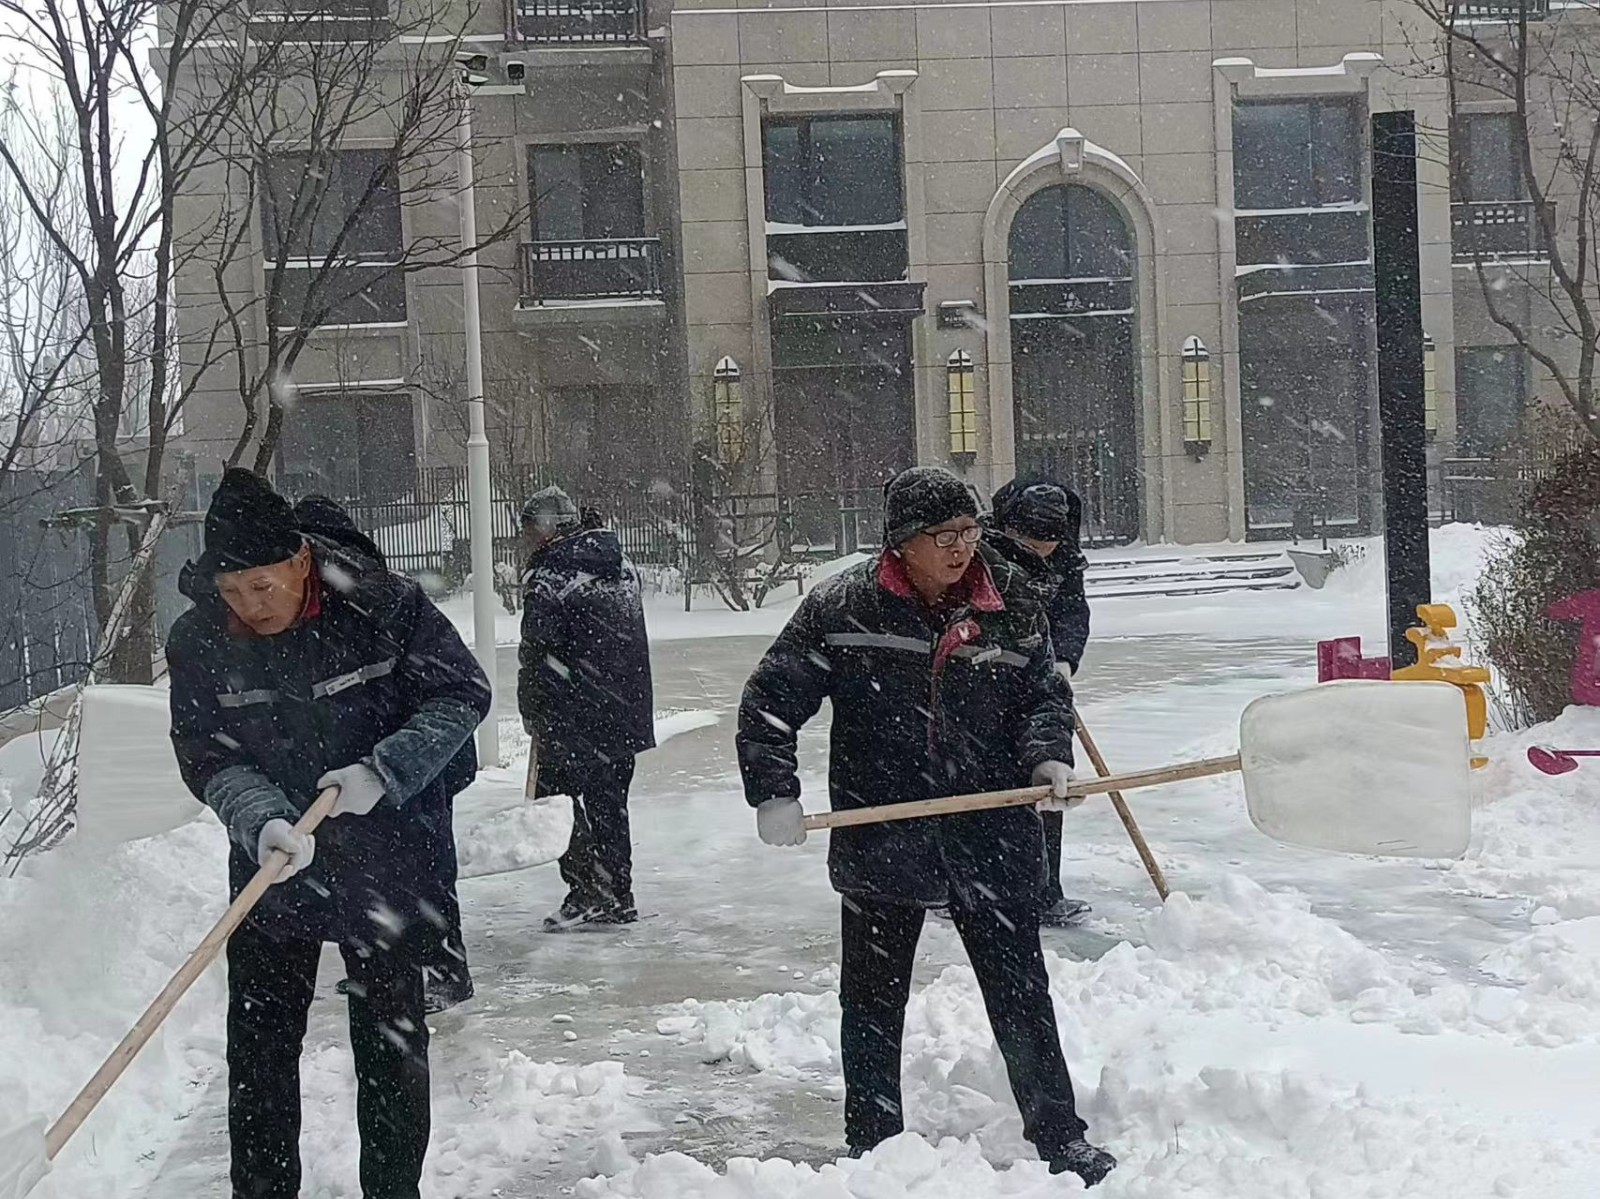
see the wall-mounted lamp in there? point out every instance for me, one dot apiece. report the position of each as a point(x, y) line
point(961, 387)
point(727, 411)
point(1196, 398)
point(1430, 386)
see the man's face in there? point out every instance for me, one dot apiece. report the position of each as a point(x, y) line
point(934, 568)
point(537, 533)
point(268, 599)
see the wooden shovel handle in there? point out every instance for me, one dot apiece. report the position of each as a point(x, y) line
point(1021, 796)
point(1124, 813)
point(205, 953)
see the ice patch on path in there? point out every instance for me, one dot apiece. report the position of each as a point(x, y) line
point(492, 1126)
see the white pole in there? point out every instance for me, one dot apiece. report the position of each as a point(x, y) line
point(479, 515)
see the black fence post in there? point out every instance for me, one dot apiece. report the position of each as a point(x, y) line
point(1401, 401)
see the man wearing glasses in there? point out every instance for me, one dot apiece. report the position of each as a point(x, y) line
point(939, 687)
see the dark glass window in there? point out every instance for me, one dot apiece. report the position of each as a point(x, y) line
point(587, 192)
point(333, 220)
point(351, 446)
point(1069, 233)
point(1296, 154)
point(834, 171)
point(1488, 157)
point(1491, 393)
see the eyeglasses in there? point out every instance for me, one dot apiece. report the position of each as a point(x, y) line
point(946, 539)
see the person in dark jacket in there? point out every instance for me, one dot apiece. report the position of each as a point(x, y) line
point(1034, 526)
point(585, 694)
point(305, 665)
point(939, 687)
point(446, 982)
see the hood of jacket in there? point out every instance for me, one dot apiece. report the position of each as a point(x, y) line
point(596, 552)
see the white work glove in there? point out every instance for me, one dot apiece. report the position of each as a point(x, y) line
point(360, 789)
point(1058, 777)
point(781, 822)
point(280, 834)
point(1065, 670)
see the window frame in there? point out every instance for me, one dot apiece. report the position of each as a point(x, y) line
point(805, 123)
point(582, 151)
point(1315, 195)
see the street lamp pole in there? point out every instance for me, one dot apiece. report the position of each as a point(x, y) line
point(479, 500)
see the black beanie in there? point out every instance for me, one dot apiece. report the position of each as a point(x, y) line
point(1038, 509)
point(920, 498)
point(248, 525)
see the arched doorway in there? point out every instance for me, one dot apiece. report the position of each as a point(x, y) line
point(1074, 390)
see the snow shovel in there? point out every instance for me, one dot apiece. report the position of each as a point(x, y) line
point(1360, 767)
point(1557, 761)
point(26, 1152)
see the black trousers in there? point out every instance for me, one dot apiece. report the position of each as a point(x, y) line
point(270, 984)
point(598, 864)
point(1052, 857)
point(880, 945)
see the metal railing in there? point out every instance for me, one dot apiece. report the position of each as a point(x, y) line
point(618, 268)
point(1496, 229)
point(1501, 10)
point(586, 22)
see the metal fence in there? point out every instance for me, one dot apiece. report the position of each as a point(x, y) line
point(426, 530)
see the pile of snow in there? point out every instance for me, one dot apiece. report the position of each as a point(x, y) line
point(87, 939)
point(1248, 1048)
point(492, 1125)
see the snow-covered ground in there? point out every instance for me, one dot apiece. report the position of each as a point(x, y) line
point(1289, 1025)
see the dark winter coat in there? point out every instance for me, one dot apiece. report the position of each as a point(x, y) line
point(924, 705)
point(1057, 582)
point(584, 685)
point(372, 673)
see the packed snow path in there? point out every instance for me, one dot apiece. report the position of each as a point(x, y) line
point(729, 918)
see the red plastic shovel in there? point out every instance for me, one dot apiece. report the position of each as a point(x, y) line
point(1558, 761)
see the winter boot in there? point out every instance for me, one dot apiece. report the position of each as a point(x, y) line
point(570, 914)
point(1088, 1162)
point(620, 911)
point(1064, 912)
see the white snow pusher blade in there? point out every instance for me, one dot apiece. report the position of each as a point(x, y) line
point(1364, 767)
point(23, 1160)
point(128, 781)
point(1361, 767)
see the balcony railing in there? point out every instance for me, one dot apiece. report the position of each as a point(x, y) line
point(1496, 229)
point(584, 22)
point(618, 268)
point(1501, 10)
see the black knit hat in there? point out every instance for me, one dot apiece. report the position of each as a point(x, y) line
point(1039, 509)
point(920, 498)
point(248, 525)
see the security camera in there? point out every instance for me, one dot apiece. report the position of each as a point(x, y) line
point(472, 79)
point(516, 70)
point(473, 62)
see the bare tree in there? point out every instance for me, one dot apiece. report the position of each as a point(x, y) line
point(1535, 260)
point(252, 105)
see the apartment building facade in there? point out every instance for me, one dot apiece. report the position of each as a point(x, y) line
point(790, 250)
point(580, 302)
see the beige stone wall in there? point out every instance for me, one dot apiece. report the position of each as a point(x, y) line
point(995, 84)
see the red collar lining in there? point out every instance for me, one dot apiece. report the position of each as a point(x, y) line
point(975, 589)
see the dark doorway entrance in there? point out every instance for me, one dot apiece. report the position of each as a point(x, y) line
point(1074, 387)
point(846, 422)
point(1305, 396)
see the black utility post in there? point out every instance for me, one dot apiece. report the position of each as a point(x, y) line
point(1401, 401)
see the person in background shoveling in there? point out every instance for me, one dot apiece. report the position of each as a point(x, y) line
point(1034, 526)
point(585, 693)
point(938, 688)
point(305, 665)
